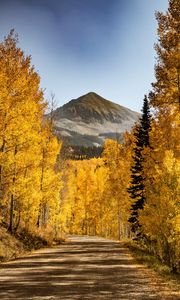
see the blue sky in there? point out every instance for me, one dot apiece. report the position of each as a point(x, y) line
point(78, 46)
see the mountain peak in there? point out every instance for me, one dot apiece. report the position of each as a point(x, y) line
point(91, 94)
point(89, 99)
point(92, 117)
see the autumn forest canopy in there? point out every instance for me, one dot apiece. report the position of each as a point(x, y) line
point(130, 191)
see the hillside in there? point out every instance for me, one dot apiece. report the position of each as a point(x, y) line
point(90, 119)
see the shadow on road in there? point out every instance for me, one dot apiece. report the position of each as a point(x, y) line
point(80, 269)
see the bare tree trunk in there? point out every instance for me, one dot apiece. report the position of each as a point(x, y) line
point(11, 215)
point(1, 168)
point(41, 189)
point(10, 229)
point(18, 222)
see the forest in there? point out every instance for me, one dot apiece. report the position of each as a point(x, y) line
point(130, 191)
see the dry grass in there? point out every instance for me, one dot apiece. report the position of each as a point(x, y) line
point(13, 246)
point(143, 256)
point(10, 247)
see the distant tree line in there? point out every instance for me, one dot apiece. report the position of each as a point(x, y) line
point(80, 152)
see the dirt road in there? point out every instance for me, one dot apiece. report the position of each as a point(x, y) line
point(83, 268)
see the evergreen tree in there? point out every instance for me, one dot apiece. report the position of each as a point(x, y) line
point(137, 188)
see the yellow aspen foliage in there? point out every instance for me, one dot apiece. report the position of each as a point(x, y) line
point(68, 195)
point(118, 158)
point(24, 135)
point(166, 90)
point(161, 215)
point(50, 178)
point(165, 94)
point(95, 199)
point(160, 218)
point(21, 110)
point(99, 209)
point(83, 194)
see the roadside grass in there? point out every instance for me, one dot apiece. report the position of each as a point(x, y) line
point(143, 256)
point(10, 247)
point(23, 242)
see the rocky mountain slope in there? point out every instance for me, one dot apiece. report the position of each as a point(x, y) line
point(90, 119)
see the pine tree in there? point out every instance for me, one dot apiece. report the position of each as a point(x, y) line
point(137, 187)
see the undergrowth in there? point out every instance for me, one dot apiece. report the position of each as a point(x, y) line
point(23, 241)
point(142, 255)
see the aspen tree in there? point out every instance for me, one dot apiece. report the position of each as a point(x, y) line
point(160, 216)
point(21, 110)
point(29, 179)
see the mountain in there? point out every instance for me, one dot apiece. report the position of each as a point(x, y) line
point(90, 119)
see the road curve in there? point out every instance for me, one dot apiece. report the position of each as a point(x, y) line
point(83, 268)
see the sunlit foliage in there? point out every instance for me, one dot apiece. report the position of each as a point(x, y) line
point(29, 183)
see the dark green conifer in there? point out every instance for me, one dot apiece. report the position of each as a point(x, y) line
point(137, 188)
